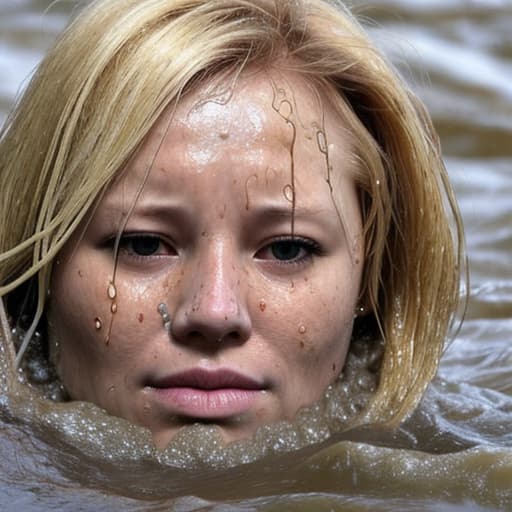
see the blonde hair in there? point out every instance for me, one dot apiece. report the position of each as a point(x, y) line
point(98, 92)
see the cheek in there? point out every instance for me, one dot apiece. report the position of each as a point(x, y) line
point(312, 320)
point(78, 313)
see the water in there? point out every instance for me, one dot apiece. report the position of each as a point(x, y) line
point(456, 452)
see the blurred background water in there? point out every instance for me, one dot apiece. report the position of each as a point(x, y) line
point(457, 54)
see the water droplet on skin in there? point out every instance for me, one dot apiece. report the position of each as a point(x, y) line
point(288, 193)
point(262, 305)
point(97, 323)
point(111, 291)
point(113, 308)
point(377, 182)
point(302, 329)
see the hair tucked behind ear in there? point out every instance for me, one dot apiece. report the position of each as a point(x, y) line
point(121, 63)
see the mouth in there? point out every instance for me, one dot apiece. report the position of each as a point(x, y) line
point(205, 394)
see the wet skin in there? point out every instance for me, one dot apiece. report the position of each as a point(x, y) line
point(261, 317)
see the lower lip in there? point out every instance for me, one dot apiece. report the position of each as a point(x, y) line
point(207, 404)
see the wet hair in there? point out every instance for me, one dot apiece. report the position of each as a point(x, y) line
point(121, 63)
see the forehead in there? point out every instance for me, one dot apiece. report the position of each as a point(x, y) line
point(273, 133)
point(260, 110)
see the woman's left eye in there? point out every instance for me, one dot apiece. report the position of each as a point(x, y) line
point(288, 250)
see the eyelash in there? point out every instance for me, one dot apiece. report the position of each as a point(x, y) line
point(310, 247)
point(129, 238)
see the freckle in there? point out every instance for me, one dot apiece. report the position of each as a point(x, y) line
point(302, 329)
point(204, 233)
point(333, 367)
point(113, 308)
point(140, 317)
point(97, 323)
point(225, 317)
point(301, 344)
point(111, 291)
point(80, 273)
point(224, 135)
point(306, 279)
point(201, 286)
point(262, 305)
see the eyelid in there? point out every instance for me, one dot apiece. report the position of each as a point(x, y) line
point(312, 247)
point(127, 236)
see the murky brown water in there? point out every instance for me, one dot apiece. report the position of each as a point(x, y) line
point(454, 454)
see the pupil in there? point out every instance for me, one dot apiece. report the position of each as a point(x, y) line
point(285, 250)
point(145, 245)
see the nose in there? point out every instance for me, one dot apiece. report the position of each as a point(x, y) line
point(212, 304)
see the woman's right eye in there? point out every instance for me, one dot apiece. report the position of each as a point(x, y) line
point(145, 245)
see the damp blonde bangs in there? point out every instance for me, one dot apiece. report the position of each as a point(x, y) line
point(98, 92)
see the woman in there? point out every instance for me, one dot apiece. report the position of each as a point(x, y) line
point(210, 209)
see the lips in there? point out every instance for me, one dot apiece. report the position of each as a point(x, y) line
point(204, 394)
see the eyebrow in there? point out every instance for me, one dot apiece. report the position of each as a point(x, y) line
point(147, 209)
point(284, 211)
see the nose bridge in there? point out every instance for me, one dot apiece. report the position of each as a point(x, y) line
point(213, 303)
point(215, 287)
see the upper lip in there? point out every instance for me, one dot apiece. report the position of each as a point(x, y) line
point(208, 380)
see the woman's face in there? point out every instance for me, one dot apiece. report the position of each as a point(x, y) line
point(237, 275)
